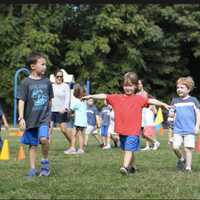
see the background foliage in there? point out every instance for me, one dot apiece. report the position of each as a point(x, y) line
point(102, 42)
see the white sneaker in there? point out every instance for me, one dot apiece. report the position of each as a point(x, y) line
point(147, 148)
point(107, 147)
point(70, 151)
point(80, 151)
point(156, 145)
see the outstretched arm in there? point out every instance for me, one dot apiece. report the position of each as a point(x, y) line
point(159, 103)
point(95, 96)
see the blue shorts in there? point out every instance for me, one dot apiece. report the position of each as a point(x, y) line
point(32, 136)
point(129, 143)
point(104, 131)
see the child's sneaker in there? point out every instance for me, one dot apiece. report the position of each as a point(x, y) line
point(188, 170)
point(107, 147)
point(147, 148)
point(80, 151)
point(45, 171)
point(180, 165)
point(124, 171)
point(132, 170)
point(156, 145)
point(70, 151)
point(32, 173)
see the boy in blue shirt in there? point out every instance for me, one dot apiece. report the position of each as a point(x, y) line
point(105, 121)
point(93, 122)
point(35, 111)
point(186, 122)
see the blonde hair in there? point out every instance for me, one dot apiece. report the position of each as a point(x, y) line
point(187, 81)
point(130, 78)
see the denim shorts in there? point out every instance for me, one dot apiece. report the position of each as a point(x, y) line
point(104, 131)
point(32, 136)
point(129, 142)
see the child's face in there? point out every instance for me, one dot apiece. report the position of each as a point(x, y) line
point(129, 89)
point(182, 90)
point(90, 102)
point(40, 66)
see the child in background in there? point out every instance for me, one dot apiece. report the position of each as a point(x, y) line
point(93, 122)
point(141, 91)
point(35, 112)
point(105, 121)
point(111, 129)
point(149, 128)
point(80, 121)
point(128, 113)
point(186, 123)
point(2, 118)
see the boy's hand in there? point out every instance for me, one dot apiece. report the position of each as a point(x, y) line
point(22, 123)
point(166, 106)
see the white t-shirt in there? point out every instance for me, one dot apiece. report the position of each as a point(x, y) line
point(61, 98)
point(111, 128)
point(147, 117)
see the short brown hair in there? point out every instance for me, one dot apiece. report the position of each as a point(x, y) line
point(78, 91)
point(32, 58)
point(130, 78)
point(187, 81)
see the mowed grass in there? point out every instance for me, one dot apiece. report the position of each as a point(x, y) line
point(95, 175)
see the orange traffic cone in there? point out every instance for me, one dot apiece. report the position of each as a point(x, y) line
point(197, 146)
point(161, 130)
point(19, 133)
point(5, 153)
point(21, 153)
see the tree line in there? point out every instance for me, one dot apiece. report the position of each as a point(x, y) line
point(102, 42)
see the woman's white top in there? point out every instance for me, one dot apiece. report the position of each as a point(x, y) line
point(61, 98)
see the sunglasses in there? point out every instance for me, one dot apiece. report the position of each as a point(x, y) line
point(59, 76)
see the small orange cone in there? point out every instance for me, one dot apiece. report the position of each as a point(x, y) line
point(19, 133)
point(197, 146)
point(161, 130)
point(5, 153)
point(21, 153)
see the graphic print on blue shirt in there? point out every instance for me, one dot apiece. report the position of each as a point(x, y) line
point(91, 115)
point(185, 119)
point(39, 96)
point(105, 116)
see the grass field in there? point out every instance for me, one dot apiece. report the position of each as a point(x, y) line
point(95, 175)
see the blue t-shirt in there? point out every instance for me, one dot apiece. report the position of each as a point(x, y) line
point(105, 116)
point(185, 119)
point(80, 109)
point(91, 115)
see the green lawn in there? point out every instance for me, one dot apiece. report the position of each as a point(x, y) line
point(95, 175)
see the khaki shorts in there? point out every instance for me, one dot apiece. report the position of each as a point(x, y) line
point(186, 140)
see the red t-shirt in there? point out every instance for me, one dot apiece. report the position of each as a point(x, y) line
point(128, 112)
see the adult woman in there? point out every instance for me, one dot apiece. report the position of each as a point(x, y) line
point(60, 105)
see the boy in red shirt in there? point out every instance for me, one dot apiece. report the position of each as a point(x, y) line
point(128, 115)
